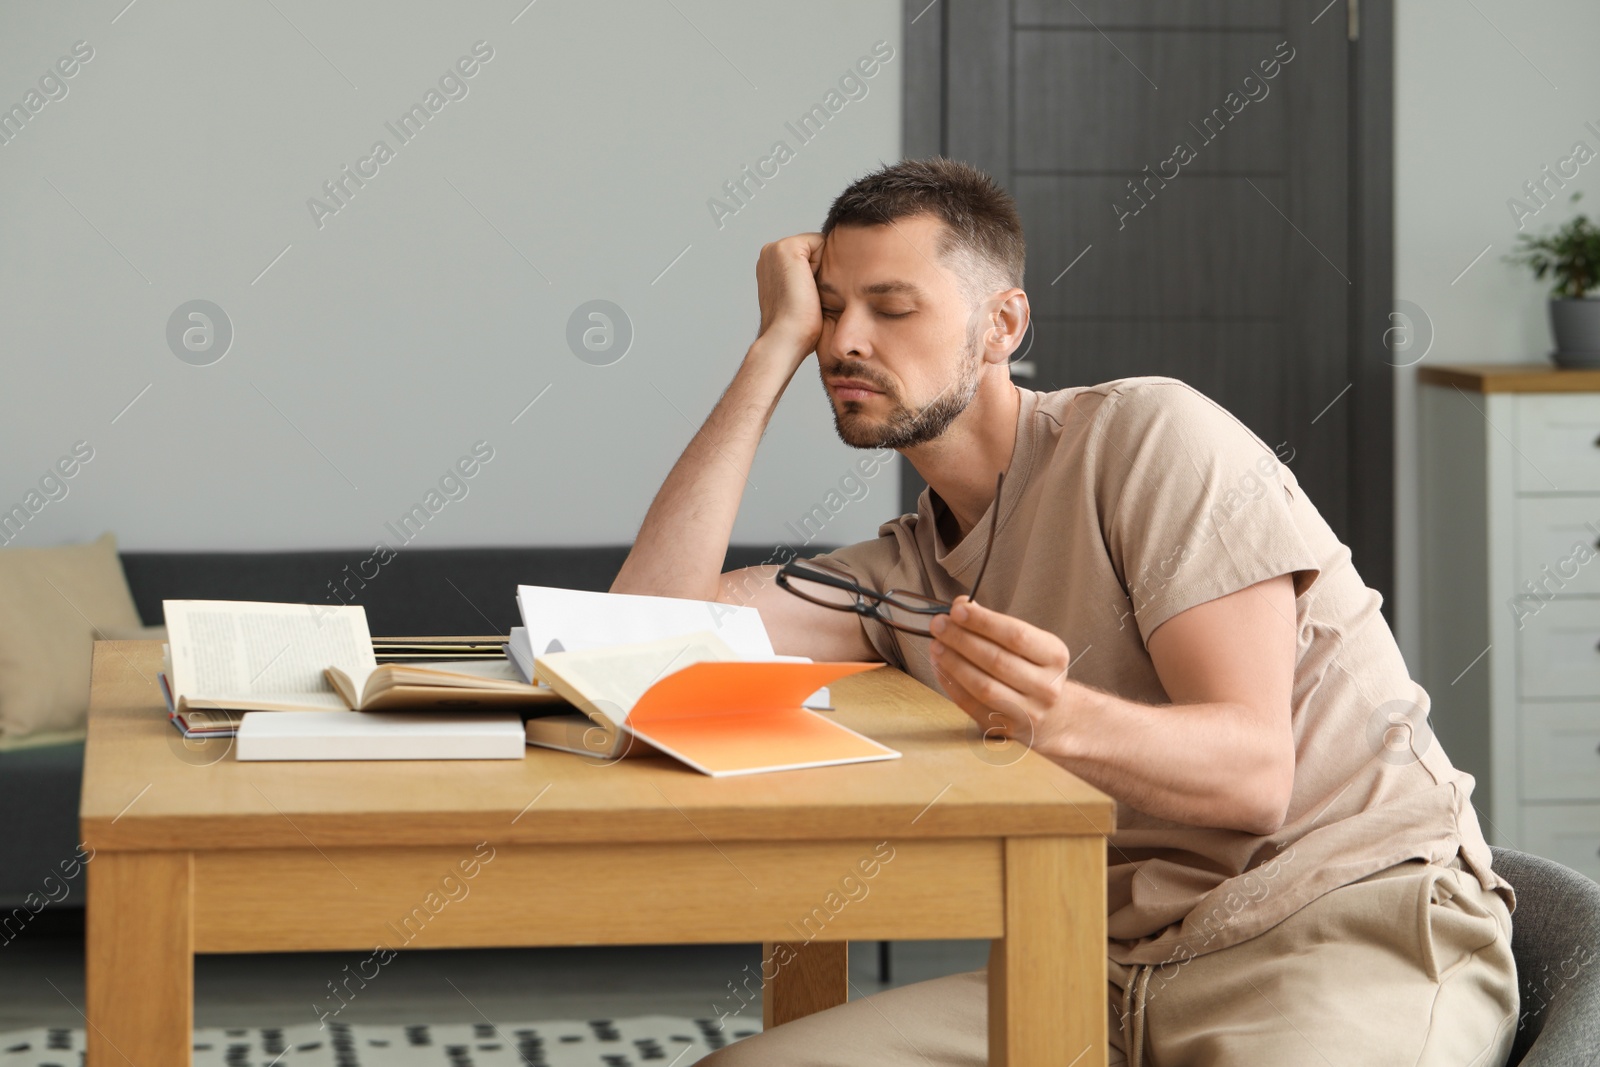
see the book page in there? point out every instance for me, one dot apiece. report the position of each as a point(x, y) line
point(254, 653)
point(615, 677)
point(480, 674)
point(568, 620)
point(459, 672)
point(520, 651)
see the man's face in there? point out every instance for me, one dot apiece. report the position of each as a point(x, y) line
point(898, 355)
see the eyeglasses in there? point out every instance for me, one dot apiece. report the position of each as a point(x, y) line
point(899, 609)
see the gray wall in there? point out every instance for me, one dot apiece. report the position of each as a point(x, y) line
point(1484, 99)
point(373, 346)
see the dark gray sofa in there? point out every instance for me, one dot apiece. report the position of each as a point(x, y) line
point(419, 591)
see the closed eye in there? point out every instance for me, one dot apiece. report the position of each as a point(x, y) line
point(834, 313)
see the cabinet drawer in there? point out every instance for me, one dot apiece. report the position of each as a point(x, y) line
point(1566, 833)
point(1558, 648)
point(1560, 751)
point(1558, 545)
point(1558, 438)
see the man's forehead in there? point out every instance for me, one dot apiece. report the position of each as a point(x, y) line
point(890, 286)
point(889, 259)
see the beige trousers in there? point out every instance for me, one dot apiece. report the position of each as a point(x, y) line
point(1409, 966)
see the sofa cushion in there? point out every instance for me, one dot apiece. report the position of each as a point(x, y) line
point(53, 603)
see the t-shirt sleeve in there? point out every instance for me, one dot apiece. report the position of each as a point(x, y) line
point(1193, 505)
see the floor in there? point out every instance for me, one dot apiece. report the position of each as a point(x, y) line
point(41, 981)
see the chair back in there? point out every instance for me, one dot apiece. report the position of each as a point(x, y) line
point(1555, 937)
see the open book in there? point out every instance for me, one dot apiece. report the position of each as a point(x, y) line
point(243, 656)
point(693, 698)
point(568, 620)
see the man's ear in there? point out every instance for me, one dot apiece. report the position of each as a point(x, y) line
point(1005, 323)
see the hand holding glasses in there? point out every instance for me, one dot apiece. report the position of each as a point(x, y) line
point(908, 612)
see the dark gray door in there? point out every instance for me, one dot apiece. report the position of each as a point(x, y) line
point(1185, 174)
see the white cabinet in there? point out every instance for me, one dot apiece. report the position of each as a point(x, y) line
point(1566, 833)
point(1558, 442)
point(1560, 755)
point(1550, 530)
point(1510, 535)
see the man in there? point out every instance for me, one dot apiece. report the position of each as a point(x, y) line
point(1298, 876)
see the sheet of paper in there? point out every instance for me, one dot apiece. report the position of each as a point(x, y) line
point(573, 620)
point(252, 653)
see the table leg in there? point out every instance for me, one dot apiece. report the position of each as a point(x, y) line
point(810, 976)
point(1047, 976)
point(140, 959)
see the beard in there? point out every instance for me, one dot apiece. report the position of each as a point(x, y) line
point(904, 426)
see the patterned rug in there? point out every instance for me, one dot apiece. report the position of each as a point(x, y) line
point(645, 1041)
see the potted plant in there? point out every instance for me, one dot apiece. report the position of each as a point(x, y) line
point(1572, 255)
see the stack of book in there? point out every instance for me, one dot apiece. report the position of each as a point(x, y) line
point(600, 674)
point(309, 666)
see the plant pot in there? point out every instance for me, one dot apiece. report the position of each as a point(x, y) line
point(1576, 327)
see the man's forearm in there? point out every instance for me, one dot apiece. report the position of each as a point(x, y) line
point(1201, 764)
point(684, 538)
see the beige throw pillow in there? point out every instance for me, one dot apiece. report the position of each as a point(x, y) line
point(53, 602)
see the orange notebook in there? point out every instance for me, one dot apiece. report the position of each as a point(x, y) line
point(691, 698)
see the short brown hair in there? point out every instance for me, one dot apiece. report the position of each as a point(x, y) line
point(982, 233)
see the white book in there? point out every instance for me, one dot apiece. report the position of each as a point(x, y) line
point(367, 735)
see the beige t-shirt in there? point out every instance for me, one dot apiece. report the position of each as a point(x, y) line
point(1125, 504)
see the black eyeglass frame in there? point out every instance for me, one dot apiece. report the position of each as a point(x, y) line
point(868, 602)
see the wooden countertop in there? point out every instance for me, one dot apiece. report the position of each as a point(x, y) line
point(1511, 377)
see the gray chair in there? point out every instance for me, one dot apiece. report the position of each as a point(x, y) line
point(1555, 937)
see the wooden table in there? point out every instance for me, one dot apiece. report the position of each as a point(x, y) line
point(194, 853)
